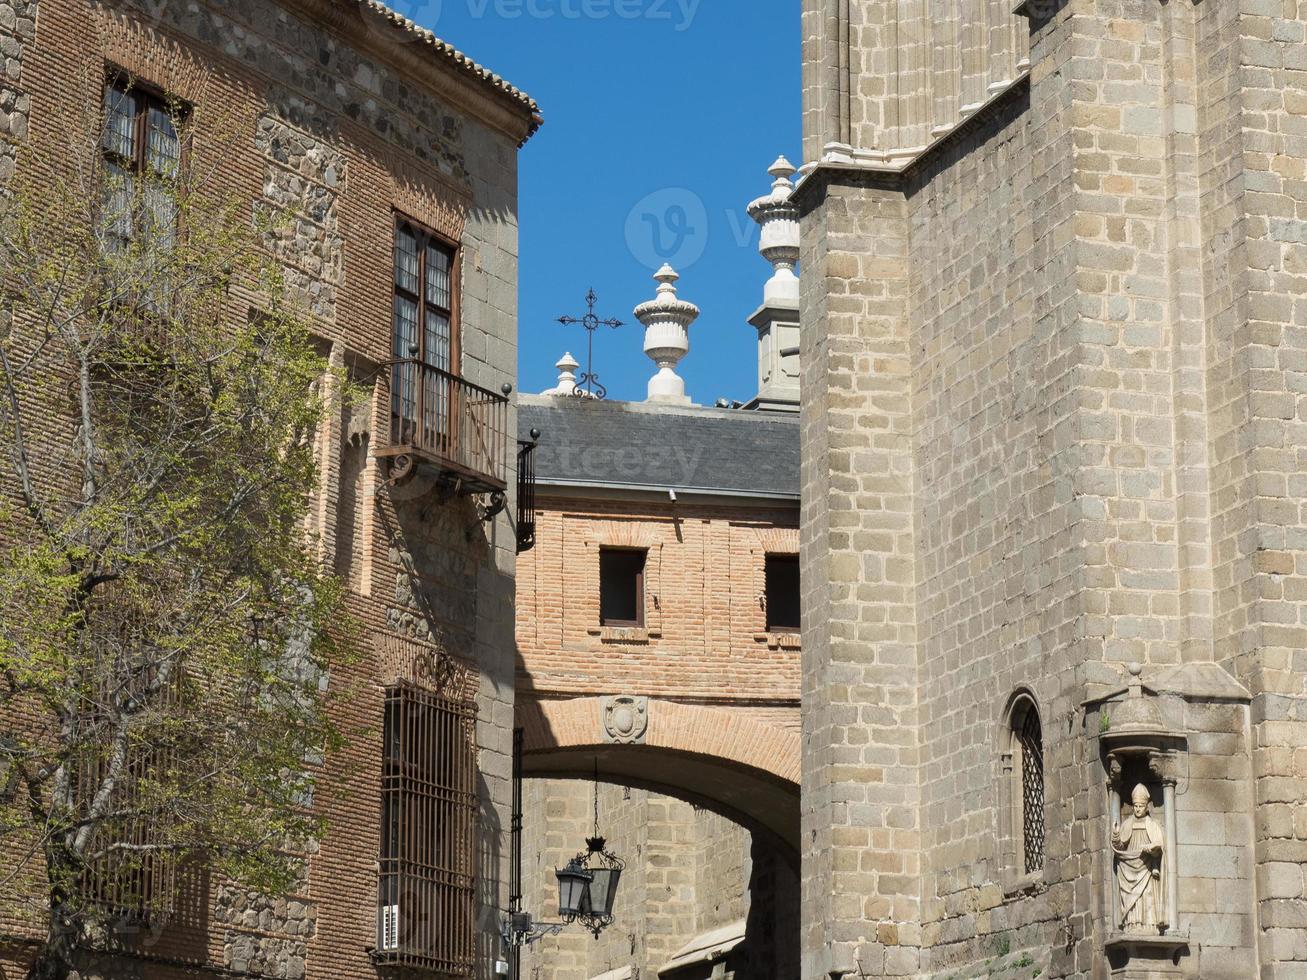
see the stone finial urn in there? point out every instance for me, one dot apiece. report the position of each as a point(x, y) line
point(778, 218)
point(667, 322)
point(566, 365)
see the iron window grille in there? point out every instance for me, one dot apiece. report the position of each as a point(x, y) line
point(1030, 739)
point(621, 586)
point(426, 909)
point(132, 875)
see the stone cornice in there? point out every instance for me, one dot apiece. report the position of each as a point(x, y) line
point(887, 170)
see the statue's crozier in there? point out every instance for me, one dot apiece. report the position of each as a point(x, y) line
point(1138, 843)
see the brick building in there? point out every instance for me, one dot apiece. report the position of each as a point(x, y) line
point(658, 645)
point(1053, 425)
point(397, 156)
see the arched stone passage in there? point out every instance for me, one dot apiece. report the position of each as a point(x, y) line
point(726, 761)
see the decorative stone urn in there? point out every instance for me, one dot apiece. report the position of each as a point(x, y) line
point(566, 365)
point(778, 240)
point(666, 322)
point(777, 319)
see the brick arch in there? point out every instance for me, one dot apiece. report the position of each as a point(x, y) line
point(725, 760)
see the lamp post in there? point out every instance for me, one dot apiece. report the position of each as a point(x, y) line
point(587, 886)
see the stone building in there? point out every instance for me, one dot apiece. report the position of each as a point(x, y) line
point(381, 140)
point(658, 648)
point(1053, 540)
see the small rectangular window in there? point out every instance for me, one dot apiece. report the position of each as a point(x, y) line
point(782, 596)
point(621, 587)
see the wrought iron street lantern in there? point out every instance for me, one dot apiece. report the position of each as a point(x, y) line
point(573, 889)
point(587, 887)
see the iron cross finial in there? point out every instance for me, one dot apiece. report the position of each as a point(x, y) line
point(589, 380)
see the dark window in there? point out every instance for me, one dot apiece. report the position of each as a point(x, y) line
point(426, 903)
point(142, 152)
point(782, 593)
point(1030, 743)
point(621, 587)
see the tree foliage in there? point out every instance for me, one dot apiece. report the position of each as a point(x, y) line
point(165, 626)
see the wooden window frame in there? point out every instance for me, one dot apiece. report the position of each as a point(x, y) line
point(639, 621)
point(152, 96)
point(426, 235)
point(767, 611)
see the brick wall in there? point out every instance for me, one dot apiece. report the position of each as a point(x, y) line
point(706, 631)
point(341, 121)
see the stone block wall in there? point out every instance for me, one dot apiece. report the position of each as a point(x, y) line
point(861, 839)
point(17, 29)
point(886, 80)
point(688, 871)
point(1097, 287)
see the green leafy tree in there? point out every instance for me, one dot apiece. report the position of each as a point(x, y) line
point(165, 625)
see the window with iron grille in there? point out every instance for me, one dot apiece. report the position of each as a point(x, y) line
point(141, 149)
point(425, 899)
point(1029, 789)
point(130, 875)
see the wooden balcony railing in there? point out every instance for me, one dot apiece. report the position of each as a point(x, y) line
point(438, 419)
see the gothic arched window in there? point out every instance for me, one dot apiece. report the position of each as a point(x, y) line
point(1027, 743)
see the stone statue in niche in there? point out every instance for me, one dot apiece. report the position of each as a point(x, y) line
point(1137, 840)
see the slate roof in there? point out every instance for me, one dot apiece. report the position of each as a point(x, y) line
point(447, 51)
point(585, 442)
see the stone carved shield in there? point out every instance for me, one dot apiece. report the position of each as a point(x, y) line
point(626, 720)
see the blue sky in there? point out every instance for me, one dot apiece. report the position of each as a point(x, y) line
point(661, 118)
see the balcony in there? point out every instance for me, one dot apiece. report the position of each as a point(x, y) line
point(441, 423)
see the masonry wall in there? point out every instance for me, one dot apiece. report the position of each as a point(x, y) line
point(689, 871)
point(704, 647)
point(332, 118)
point(705, 637)
point(1081, 308)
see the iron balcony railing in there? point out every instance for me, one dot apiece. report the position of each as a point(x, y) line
point(445, 421)
point(526, 496)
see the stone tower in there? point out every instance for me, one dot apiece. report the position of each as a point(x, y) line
point(1055, 518)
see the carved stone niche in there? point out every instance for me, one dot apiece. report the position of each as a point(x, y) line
point(1144, 754)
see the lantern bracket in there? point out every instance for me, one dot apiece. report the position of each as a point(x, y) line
point(518, 929)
